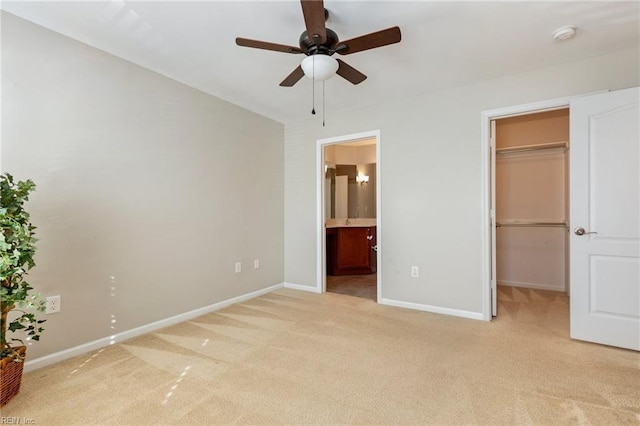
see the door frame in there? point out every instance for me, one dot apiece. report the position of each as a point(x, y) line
point(488, 187)
point(321, 267)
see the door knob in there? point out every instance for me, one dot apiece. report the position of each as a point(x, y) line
point(580, 231)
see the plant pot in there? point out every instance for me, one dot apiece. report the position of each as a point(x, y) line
point(11, 376)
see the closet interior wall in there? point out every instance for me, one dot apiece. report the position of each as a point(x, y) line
point(532, 200)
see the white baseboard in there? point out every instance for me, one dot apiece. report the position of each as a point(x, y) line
point(302, 287)
point(537, 286)
point(138, 331)
point(432, 309)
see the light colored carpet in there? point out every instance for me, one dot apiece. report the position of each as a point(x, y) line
point(302, 358)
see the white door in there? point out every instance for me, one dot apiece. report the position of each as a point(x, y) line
point(605, 218)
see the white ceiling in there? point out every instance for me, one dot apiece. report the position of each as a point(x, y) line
point(444, 44)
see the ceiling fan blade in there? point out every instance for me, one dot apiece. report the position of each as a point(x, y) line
point(349, 73)
point(266, 45)
point(370, 41)
point(293, 78)
point(314, 18)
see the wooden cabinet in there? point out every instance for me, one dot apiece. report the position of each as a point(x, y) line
point(349, 250)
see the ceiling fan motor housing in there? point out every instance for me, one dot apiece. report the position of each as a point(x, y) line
point(318, 43)
point(309, 46)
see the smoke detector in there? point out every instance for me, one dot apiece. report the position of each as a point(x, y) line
point(564, 33)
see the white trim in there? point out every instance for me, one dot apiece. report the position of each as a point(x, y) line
point(321, 268)
point(432, 309)
point(492, 216)
point(138, 331)
point(378, 219)
point(487, 116)
point(301, 287)
point(320, 219)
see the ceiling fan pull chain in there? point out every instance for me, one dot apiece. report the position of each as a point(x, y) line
point(323, 109)
point(313, 87)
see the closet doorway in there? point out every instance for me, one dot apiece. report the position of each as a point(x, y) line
point(601, 262)
point(531, 215)
point(349, 215)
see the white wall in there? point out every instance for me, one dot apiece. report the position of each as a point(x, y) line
point(430, 178)
point(148, 191)
point(350, 154)
point(367, 154)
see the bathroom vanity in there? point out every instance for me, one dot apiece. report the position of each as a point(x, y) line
point(351, 248)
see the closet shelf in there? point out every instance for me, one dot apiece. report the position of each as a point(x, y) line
point(533, 224)
point(537, 147)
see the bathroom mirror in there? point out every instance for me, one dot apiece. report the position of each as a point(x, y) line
point(350, 191)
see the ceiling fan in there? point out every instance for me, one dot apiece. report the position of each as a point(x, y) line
point(319, 43)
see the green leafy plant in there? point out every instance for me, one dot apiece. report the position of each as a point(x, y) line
point(17, 248)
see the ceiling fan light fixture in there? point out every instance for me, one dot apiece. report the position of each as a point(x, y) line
point(319, 66)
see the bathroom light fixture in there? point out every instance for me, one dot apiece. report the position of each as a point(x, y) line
point(564, 33)
point(362, 178)
point(319, 66)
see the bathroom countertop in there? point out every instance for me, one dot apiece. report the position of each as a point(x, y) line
point(353, 223)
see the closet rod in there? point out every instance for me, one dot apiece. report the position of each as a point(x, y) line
point(533, 224)
point(537, 147)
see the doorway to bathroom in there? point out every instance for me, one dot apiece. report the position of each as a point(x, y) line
point(348, 215)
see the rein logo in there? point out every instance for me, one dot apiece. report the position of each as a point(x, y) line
point(16, 421)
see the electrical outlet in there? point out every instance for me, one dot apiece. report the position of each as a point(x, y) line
point(415, 272)
point(238, 267)
point(53, 305)
point(256, 263)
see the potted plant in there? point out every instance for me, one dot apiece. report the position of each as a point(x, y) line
point(18, 303)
